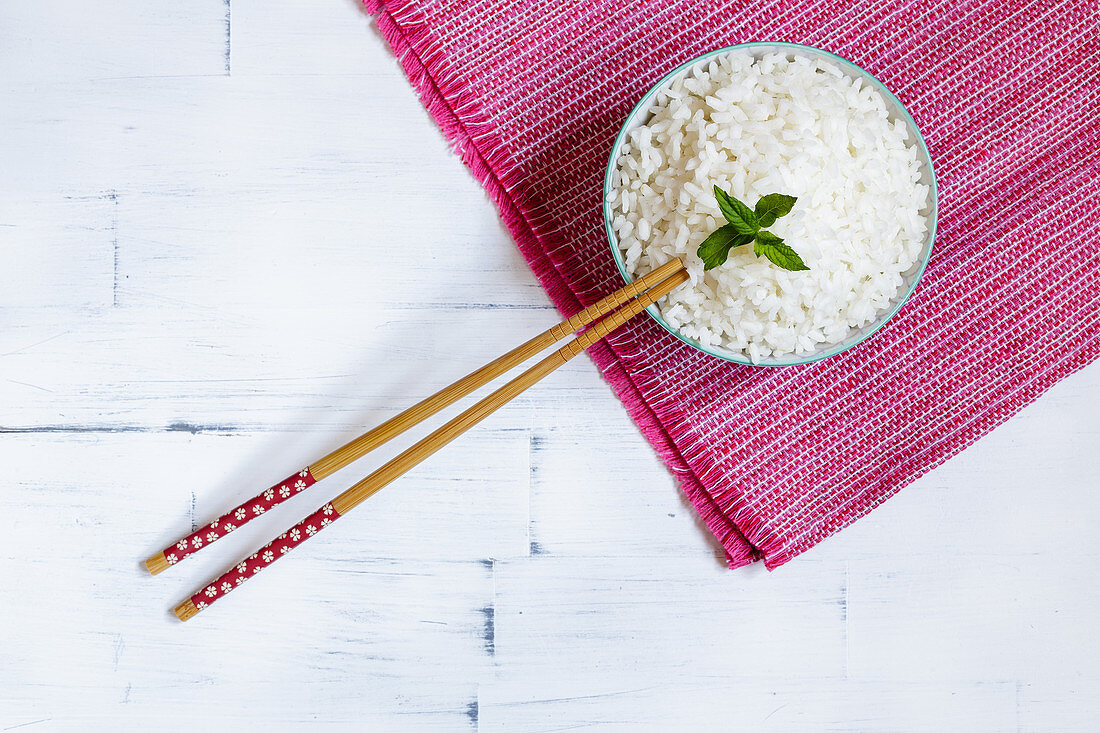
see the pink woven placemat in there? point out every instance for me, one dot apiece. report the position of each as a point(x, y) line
point(531, 94)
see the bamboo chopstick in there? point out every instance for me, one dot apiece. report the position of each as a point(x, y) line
point(423, 448)
point(398, 424)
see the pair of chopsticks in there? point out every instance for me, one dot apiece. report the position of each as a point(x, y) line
point(637, 296)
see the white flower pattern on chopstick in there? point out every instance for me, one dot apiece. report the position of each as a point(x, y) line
point(222, 525)
point(255, 562)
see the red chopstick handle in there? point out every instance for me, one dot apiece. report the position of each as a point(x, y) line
point(235, 517)
point(260, 559)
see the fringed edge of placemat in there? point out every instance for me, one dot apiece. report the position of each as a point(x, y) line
point(455, 108)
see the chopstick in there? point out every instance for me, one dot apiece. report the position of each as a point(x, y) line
point(423, 448)
point(368, 441)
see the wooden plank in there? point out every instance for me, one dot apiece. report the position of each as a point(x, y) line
point(70, 41)
point(288, 38)
point(570, 618)
point(56, 252)
point(977, 617)
point(589, 501)
point(636, 701)
point(150, 368)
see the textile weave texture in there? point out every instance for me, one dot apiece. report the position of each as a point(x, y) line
point(532, 94)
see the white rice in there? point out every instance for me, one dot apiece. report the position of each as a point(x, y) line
point(773, 125)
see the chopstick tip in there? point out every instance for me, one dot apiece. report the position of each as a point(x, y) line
point(156, 564)
point(185, 610)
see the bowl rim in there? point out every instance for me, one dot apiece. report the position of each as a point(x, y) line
point(763, 46)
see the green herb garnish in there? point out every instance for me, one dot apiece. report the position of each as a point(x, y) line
point(746, 226)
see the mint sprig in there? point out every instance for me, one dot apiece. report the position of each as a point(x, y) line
point(746, 226)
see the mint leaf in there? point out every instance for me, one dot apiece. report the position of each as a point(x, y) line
point(745, 227)
point(715, 249)
point(739, 216)
point(774, 249)
point(771, 207)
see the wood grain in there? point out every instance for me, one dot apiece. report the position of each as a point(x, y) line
point(146, 383)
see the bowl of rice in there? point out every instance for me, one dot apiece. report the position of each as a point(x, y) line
point(756, 119)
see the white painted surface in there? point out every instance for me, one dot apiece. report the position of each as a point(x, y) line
point(221, 258)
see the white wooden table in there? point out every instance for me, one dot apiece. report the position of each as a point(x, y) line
point(230, 239)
